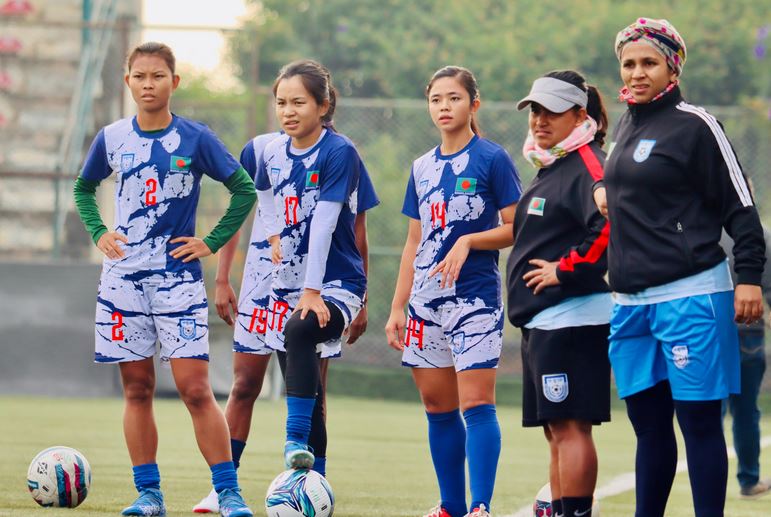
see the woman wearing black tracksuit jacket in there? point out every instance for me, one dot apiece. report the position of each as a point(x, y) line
point(557, 293)
point(672, 183)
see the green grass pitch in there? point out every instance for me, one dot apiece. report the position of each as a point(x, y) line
point(379, 463)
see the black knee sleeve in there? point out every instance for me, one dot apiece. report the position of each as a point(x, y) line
point(300, 339)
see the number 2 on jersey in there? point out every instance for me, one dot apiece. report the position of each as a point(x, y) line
point(152, 187)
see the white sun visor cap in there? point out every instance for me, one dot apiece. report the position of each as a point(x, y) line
point(554, 95)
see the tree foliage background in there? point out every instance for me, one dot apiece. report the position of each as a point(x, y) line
point(389, 48)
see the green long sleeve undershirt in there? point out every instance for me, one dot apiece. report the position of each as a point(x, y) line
point(85, 201)
point(242, 198)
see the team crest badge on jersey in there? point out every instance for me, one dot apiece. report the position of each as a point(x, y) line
point(180, 163)
point(680, 356)
point(536, 206)
point(644, 148)
point(275, 172)
point(555, 387)
point(187, 328)
point(466, 186)
point(126, 162)
point(458, 343)
point(312, 180)
point(422, 187)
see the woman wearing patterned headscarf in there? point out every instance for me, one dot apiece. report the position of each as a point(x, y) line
point(673, 181)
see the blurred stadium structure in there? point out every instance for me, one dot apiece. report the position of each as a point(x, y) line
point(61, 80)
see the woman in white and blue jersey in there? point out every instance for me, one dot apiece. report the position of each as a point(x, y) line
point(151, 288)
point(249, 314)
point(461, 198)
point(319, 284)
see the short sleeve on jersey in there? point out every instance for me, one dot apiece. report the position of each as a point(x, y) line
point(262, 181)
point(504, 180)
point(367, 197)
point(248, 160)
point(410, 207)
point(212, 157)
point(339, 174)
point(95, 166)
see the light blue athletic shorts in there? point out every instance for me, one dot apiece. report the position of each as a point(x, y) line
point(693, 342)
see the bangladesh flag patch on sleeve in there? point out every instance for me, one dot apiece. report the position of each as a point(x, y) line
point(312, 180)
point(466, 186)
point(180, 163)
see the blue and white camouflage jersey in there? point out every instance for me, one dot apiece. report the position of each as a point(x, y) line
point(328, 171)
point(147, 295)
point(157, 184)
point(460, 194)
point(257, 310)
point(254, 297)
point(452, 196)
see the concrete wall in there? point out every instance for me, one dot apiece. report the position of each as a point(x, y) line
point(40, 47)
point(47, 336)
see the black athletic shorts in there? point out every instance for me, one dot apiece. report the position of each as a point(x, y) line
point(566, 375)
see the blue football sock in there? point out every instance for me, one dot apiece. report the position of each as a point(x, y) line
point(223, 475)
point(447, 441)
point(298, 418)
point(237, 449)
point(147, 476)
point(320, 465)
point(483, 447)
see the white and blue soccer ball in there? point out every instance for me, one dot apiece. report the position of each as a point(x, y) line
point(59, 476)
point(299, 493)
point(542, 505)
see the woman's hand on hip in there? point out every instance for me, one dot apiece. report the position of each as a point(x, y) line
point(191, 249)
point(543, 276)
point(108, 244)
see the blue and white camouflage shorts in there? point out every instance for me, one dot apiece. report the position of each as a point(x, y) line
point(132, 315)
point(464, 336)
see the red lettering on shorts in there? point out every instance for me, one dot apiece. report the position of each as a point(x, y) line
point(280, 308)
point(259, 321)
point(414, 330)
point(117, 331)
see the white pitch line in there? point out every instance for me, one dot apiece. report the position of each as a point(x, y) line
point(625, 482)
